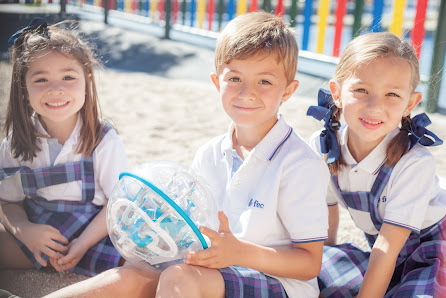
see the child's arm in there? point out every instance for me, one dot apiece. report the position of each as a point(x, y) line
point(77, 248)
point(38, 238)
point(302, 262)
point(382, 261)
point(333, 223)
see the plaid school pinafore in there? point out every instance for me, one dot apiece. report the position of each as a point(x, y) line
point(69, 217)
point(417, 266)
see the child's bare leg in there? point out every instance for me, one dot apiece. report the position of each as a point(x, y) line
point(126, 281)
point(11, 256)
point(190, 281)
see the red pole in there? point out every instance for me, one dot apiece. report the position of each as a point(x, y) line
point(111, 4)
point(134, 6)
point(339, 25)
point(211, 8)
point(418, 29)
point(175, 11)
point(280, 9)
point(253, 6)
point(161, 9)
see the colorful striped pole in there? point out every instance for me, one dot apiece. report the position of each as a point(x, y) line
point(128, 5)
point(183, 11)
point(280, 9)
point(175, 11)
point(293, 13)
point(220, 13)
point(211, 8)
point(323, 15)
point(200, 12)
point(339, 25)
point(357, 22)
point(253, 6)
point(241, 7)
point(396, 27)
point(418, 28)
point(266, 5)
point(307, 24)
point(146, 7)
point(230, 10)
point(192, 12)
point(377, 16)
point(438, 58)
point(153, 6)
point(161, 10)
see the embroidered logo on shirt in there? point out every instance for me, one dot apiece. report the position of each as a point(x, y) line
point(382, 200)
point(255, 204)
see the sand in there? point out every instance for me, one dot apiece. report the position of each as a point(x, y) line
point(167, 116)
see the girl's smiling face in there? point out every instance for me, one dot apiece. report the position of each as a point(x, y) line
point(56, 88)
point(374, 100)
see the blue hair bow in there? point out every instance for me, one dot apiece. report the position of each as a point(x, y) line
point(36, 24)
point(419, 134)
point(324, 110)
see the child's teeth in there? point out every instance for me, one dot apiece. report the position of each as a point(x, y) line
point(371, 122)
point(56, 104)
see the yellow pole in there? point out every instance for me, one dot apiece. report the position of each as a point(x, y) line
point(241, 7)
point(153, 5)
point(396, 27)
point(323, 15)
point(200, 11)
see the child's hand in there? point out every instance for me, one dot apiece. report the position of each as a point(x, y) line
point(76, 250)
point(44, 239)
point(224, 247)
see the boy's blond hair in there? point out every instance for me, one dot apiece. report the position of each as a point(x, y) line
point(256, 33)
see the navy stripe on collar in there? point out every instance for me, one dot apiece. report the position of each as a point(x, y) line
point(290, 130)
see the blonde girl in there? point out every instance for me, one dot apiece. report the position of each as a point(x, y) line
point(59, 161)
point(382, 173)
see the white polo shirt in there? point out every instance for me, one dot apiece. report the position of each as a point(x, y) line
point(276, 197)
point(412, 199)
point(109, 160)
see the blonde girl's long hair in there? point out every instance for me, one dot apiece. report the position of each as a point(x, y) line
point(24, 136)
point(365, 49)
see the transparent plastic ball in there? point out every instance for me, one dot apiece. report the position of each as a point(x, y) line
point(155, 210)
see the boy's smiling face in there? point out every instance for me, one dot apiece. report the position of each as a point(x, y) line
point(252, 90)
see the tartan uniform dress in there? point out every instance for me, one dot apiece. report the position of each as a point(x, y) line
point(418, 265)
point(246, 282)
point(69, 217)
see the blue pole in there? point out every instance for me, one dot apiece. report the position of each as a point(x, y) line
point(377, 16)
point(307, 23)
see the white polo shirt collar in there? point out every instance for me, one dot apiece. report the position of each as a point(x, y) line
point(267, 148)
point(373, 162)
point(72, 139)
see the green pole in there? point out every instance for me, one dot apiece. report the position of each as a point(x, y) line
point(437, 61)
point(357, 23)
point(293, 13)
point(266, 5)
point(167, 10)
point(220, 13)
point(183, 11)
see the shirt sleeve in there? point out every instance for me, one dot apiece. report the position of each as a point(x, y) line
point(10, 188)
point(109, 161)
point(301, 206)
point(407, 201)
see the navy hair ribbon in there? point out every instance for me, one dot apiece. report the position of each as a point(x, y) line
point(324, 111)
point(419, 134)
point(38, 24)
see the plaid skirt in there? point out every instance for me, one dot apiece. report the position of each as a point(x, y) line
point(245, 282)
point(71, 219)
point(421, 273)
